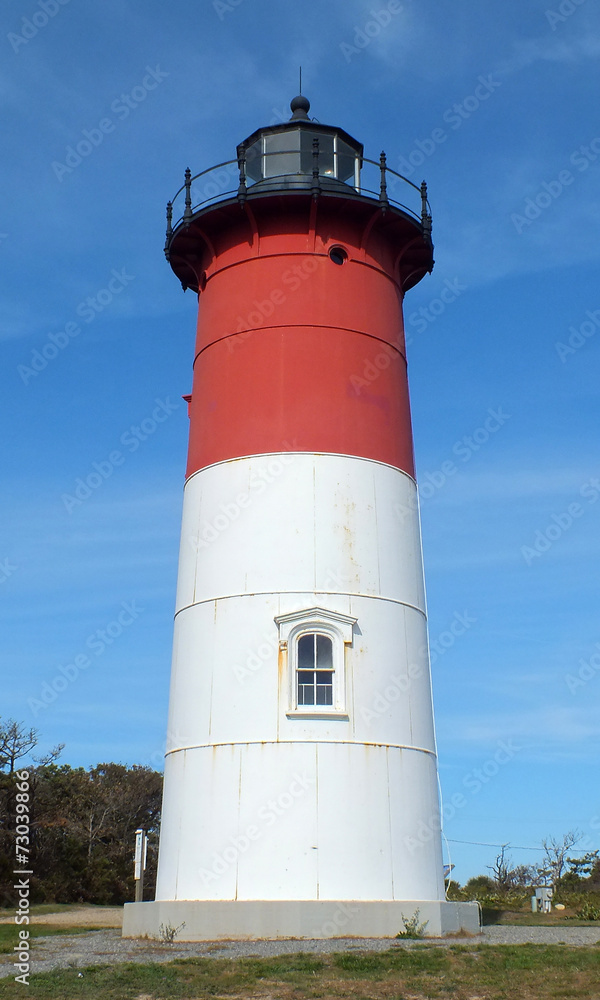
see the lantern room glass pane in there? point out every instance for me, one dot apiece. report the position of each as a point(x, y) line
point(326, 164)
point(282, 153)
point(254, 161)
point(346, 159)
point(290, 152)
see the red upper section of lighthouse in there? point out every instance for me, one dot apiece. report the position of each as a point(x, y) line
point(300, 276)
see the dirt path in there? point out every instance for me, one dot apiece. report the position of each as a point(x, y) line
point(79, 916)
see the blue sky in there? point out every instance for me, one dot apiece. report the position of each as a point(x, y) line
point(495, 106)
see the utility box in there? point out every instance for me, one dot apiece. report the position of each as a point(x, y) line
point(541, 902)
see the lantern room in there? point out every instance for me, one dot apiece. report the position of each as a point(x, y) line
point(296, 151)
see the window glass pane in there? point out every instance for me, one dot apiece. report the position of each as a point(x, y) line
point(306, 687)
point(254, 161)
point(345, 161)
point(324, 653)
point(306, 652)
point(306, 694)
point(279, 160)
point(324, 691)
point(325, 152)
point(315, 669)
point(324, 677)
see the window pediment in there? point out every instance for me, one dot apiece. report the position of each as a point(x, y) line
point(290, 622)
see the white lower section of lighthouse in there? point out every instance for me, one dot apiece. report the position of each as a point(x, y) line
point(300, 769)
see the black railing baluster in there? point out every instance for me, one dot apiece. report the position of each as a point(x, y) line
point(425, 216)
point(242, 189)
point(169, 227)
point(316, 184)
point(187, 215)
point(383, 196)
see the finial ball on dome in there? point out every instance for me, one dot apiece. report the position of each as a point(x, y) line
point(300, 106)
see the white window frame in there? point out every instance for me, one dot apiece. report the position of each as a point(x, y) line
point(338, 628)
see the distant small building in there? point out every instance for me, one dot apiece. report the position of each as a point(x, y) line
point(541, 901)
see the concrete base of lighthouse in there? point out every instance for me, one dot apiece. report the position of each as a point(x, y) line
point(214, 920)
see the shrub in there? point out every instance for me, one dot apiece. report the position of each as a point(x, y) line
point(589, 911)
point(412, 927)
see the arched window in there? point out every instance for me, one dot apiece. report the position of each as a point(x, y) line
point(314, 641)
point(314, 672)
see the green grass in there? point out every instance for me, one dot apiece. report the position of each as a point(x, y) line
point(423, 972)
point(525, 918)
point(39, 908)
point(9, 933)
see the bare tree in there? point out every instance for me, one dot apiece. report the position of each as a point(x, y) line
point(524, 876)
point(51, 756)
point(502, 870)
point(555, 859)
point(15, 742)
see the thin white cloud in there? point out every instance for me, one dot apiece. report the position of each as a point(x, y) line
point(510, 484)
point(528, 51)
point(550, 729)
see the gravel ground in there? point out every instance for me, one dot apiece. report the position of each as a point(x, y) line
point(107, 947)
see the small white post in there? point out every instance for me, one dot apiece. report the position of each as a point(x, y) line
point(139, 863)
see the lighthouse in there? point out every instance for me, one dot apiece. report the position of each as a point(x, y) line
point(301, 790)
